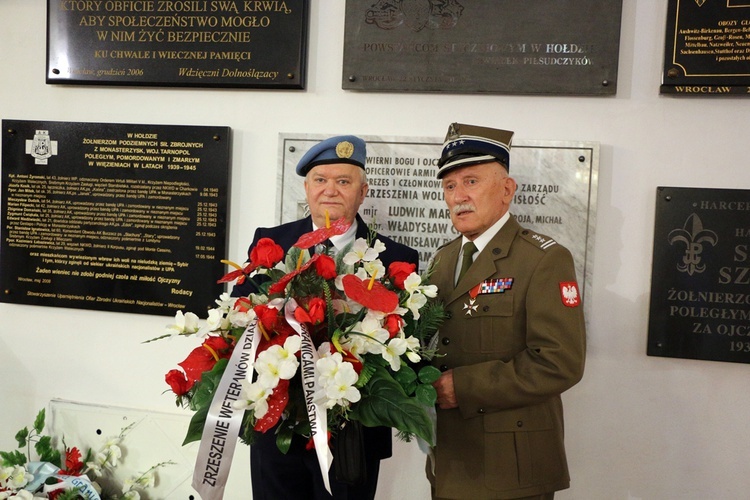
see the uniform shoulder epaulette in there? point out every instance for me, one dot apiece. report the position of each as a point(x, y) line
point(537, 239)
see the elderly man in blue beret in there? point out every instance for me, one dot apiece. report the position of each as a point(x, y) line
point(335, 187)
point(514, 338)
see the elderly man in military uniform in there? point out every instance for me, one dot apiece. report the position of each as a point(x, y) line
point(514, 339)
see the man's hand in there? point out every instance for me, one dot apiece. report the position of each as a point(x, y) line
point(446, 395)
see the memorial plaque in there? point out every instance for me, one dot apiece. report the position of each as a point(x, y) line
point(707, 48)
point(700, 293)
point(178, 43)
point(568, 47)
point(117, 217)
point(556, 193)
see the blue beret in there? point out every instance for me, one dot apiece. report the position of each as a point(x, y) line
point(339, 149)
point(470, 144)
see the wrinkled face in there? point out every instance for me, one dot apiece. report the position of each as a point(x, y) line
point(339, 188)
point(477, 196)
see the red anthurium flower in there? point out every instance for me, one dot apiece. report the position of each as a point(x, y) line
point(393, 323)
point(204, 358)
point(243, 304)
point(399, 271)
point(266, 253)
point(325, 266)
point(313, 313)
point(377, 298)
point(73, 464)
point(312, 238)
point(281, 284)
point(237, 274)
point(268, 316)
point(276, 405)
point(178, 382)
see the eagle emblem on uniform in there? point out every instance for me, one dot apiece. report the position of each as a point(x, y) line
point(569, 294)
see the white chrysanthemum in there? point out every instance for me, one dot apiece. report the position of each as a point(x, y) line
point(278, 362)
point(184, 323)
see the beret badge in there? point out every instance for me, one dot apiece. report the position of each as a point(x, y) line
point(344, 149)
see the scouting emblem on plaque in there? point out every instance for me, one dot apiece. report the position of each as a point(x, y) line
point(41, 147)
point(693, 236)
point(569, 294)
point(415, 14)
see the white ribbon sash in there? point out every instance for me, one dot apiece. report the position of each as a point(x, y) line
point(223, 421)
point(317, 414)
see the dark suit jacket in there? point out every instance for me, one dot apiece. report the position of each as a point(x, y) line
point(511, 359)
point(378, 439)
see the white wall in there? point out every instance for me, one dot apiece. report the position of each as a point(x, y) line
point(638, 427)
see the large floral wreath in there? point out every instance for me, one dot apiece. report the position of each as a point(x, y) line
point(368, 324)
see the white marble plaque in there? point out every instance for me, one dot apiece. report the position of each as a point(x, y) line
point(557, 183)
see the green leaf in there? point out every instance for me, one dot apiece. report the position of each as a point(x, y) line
point(284, 438)
point(22, 436)
point(426, 394)
point(15, 457)
point(429, 374)
point(368, 370)
point(387, 404)
point(407, 377)
point(46, 452)
point(44, 445)
point(206, 387)
point(195, 429)
point(39, 421)
point(202, 398)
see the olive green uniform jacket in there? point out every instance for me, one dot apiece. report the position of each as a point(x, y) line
point(512, 357)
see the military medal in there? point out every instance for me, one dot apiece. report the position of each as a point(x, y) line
point(496, 285)
point(472, 306)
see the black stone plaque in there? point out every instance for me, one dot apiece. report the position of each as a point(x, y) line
point(178, 43)
point(700, 285)
point(116, 217)
point(567, 47)
point(707, 49)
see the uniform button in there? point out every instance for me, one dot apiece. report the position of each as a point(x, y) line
point(448, 315)
point(486, 308)
point(519, 423)
point(481, 410)
point(446, 341)
point(496, 251)
point(443, 368)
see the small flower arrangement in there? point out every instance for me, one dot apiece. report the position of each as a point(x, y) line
point(368, 325)
point(66, 475)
